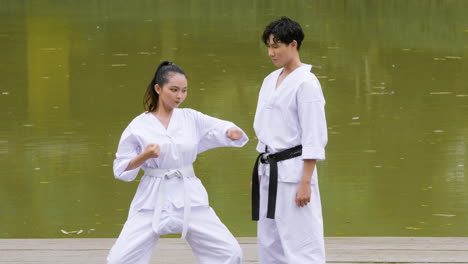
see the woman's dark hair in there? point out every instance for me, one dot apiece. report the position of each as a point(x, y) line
point(284, 30)
point(164, 71)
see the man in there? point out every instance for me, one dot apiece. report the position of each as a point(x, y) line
point(292, 132)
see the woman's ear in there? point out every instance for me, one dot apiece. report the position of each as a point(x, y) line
point(157, 88)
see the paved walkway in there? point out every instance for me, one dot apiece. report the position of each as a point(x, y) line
point(340, 250)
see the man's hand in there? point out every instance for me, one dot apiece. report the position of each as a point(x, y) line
point(303, 194)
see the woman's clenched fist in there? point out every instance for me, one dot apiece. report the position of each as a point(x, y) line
point(152, 151)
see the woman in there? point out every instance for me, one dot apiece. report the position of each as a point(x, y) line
point(164, 142)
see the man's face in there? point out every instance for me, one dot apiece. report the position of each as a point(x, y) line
point(279, 52)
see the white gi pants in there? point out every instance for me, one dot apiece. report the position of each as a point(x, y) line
point(295, 236)
point(210, 240)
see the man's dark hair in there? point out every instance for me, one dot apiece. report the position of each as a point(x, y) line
point(284, 30)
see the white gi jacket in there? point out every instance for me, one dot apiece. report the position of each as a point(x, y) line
point(189, 133)
point(289, 115)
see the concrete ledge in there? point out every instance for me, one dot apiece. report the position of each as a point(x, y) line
point(342, 250)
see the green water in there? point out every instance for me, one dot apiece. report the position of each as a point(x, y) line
point(394, 74)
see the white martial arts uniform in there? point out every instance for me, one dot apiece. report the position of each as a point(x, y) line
point(170, 198)
point(289, 115)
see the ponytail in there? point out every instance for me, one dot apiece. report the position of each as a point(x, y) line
point(161, 77)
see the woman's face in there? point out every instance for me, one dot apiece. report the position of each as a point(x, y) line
point(174, 92)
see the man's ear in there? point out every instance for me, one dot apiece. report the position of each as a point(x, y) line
point(294, 44)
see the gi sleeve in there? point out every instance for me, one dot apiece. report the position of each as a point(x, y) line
point(212, 133)
point(128, 149)
point(311, 111)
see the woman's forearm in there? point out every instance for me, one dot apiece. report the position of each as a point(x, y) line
point(151, 151)
point(137, 161)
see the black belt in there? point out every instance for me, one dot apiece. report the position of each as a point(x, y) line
point(272, 159)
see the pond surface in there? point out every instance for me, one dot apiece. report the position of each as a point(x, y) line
point(394, 74)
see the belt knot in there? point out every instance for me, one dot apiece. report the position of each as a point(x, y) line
point(163, 174)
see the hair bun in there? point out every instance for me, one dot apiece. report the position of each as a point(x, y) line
point(166, 63)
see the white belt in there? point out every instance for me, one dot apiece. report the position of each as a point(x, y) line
point(185, 172)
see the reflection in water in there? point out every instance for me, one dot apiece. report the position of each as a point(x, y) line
point(74, 73)
point(48, 64)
